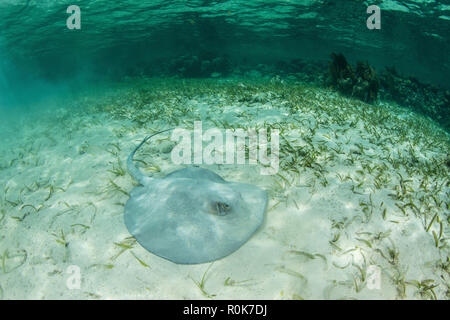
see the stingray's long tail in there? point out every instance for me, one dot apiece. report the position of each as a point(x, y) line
point(132, 169)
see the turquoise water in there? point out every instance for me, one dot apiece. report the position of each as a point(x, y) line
point(39, 54)
point(359, 204)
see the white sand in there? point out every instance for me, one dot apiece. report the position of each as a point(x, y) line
point(57, 160)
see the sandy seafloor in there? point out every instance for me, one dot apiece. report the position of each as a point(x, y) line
point(360, 188)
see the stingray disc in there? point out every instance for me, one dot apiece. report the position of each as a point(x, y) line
point(194, 216)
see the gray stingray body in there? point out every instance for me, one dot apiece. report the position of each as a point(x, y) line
point(192, 215)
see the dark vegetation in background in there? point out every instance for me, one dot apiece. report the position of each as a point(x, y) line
point(360, 82)
point(428, 99)
point(364, 84)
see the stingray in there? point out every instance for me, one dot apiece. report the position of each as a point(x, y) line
point(192, 215)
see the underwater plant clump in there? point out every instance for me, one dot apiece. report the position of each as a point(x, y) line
point(367, 83)
point(362, 83)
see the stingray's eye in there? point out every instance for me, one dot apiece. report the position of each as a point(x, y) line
point(222, 208)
